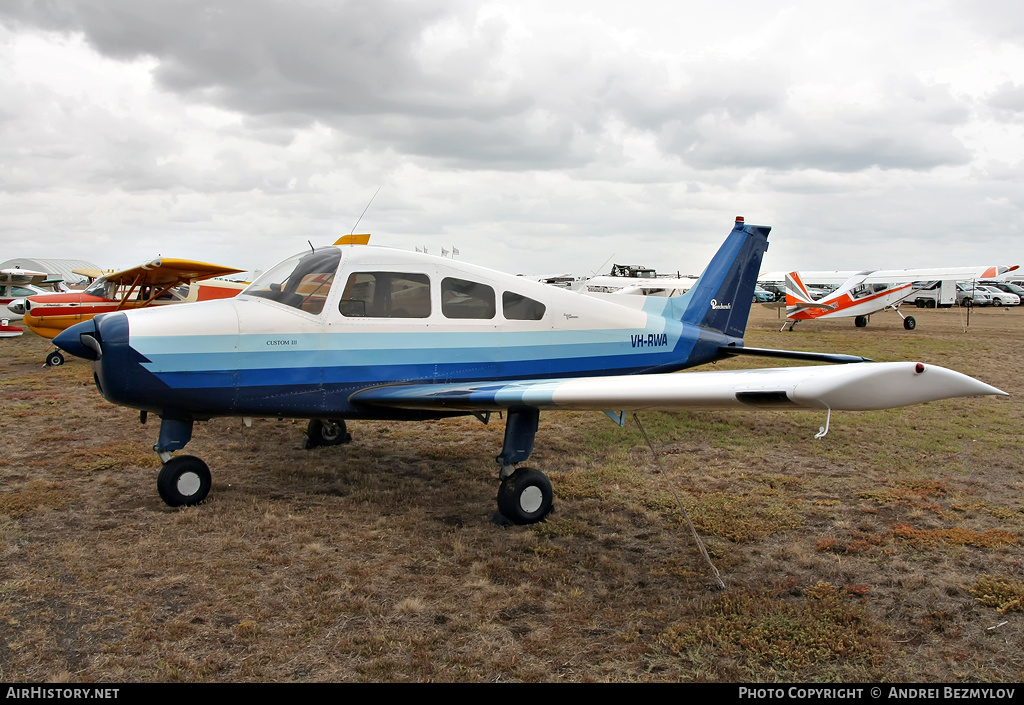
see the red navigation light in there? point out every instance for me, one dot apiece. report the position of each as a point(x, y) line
point(739, 219)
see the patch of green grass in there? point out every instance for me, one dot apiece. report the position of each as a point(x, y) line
point(37, 496)
point(763, 631)
point(555, 527)
point(1003, 593)
point(745, 515)
point(116, 455)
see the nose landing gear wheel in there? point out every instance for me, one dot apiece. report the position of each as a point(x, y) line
point(525, 496)
point(184, 481)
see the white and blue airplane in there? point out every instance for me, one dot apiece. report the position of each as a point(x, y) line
point(363, 332)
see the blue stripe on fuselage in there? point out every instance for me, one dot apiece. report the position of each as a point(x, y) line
point(427, 352)
point(317, 375)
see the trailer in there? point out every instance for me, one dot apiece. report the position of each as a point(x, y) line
point(940, 294)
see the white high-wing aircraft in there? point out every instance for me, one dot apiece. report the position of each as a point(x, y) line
point(634, 279)
point(860, 294)
point(361, 332)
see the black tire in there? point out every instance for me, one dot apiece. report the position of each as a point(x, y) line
point(931, 304)
point(921, 303)
point(966, 302)
point(909, 323)
point(525, 496)
point(326, 432)
point(860, 321)
point(997, 302)
point(54, 359)
point(184, 481)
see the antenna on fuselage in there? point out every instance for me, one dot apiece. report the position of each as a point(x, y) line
point(594, 272)
point(365, 209)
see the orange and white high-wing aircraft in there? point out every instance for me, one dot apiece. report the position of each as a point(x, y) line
point(155, 283)
point(862, 293)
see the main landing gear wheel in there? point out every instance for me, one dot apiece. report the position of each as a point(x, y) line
point(184, 481)
point(54, 359)
point(909, 323)
point(326, 432)
point(525, 496)
point(860, 321)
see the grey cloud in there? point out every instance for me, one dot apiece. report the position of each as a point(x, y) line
point(1007, 101)
point(378, 72)
point(993, 18)
point(261, 56)
point(371, 68)
point(912, 129)
point(648, 98)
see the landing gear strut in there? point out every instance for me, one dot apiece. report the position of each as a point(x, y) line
point(525, 495)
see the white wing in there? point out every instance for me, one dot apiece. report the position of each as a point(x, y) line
point(867, 385)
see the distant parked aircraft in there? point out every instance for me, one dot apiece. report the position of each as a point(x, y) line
point(156, 283)
point(862, 293)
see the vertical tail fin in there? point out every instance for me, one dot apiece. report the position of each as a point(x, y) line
point(796, 291)
point(720, 300)
point(797, 295)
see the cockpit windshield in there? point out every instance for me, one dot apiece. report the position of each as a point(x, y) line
point(302, 281)
point(101, 287)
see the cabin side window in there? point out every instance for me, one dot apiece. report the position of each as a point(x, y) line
point(461, 298)
point(386, 295)
point(520, 308)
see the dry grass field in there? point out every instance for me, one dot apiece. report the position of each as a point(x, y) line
point(890, 550)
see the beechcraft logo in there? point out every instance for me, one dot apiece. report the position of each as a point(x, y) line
point(717, 306)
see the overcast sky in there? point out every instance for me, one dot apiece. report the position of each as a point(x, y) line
point(536, 137)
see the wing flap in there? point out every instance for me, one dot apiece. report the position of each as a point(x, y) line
point(868, 385)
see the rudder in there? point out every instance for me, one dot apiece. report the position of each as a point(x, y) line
point(721, 298)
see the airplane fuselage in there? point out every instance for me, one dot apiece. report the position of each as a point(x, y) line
point(848, 305)
point(379, 317)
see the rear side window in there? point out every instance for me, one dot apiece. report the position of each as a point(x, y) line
point(520, 308)
point(386, 295)
point(461, 298)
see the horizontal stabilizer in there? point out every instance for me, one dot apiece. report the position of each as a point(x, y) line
point(870, 385)
point(838, 358)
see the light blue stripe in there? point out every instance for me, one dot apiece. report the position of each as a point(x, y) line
point(359, 340)
point(210, 352)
